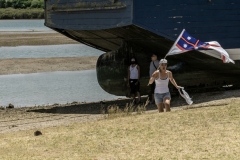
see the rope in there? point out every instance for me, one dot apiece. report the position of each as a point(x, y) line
point(185, 95)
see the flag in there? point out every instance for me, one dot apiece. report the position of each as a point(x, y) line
point(185, 95)
point(185, 42)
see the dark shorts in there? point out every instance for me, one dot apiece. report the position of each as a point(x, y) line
point(152, 87)
point(134, 88)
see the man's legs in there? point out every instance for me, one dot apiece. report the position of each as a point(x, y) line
point(153, 100)
point(138, 91)
point(133, 90)
point(139, 96)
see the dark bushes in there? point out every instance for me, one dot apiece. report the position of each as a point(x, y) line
point(22, 4)
point(11, 13)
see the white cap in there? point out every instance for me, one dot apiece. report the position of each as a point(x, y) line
point(162, 61)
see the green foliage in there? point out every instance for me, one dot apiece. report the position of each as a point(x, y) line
point(2, 3)
point(37, 4)
point(11, 13)
point(21, 9)
point(22, 4)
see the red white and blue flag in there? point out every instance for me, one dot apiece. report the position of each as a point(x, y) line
point(185, 42)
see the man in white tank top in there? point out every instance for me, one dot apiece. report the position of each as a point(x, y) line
point(133, 79)
point(161, 92)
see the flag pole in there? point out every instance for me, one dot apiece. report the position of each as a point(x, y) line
point(175, 43)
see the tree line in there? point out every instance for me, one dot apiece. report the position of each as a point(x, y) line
point(21, 4)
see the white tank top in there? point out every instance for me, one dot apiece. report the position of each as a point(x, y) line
point(161, 85)
point(133, 72)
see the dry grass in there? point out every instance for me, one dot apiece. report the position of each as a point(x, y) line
point(114, 111)
point(201, 133)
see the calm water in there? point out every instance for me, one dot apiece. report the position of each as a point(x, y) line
point(49, 88)
point(67, 50)
point(23, 25)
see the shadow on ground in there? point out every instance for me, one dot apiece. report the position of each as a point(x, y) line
point(85, 108)
point(98, 107)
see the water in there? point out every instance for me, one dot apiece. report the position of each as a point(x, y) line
point(49, 88)
point(67, 50)
point(23, 25)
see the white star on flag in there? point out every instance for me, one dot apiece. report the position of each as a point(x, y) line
point(185, 45)
point(189, 38)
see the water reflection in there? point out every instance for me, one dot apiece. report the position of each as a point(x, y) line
point(66, 50)
point(23, 25)
point(49, 88)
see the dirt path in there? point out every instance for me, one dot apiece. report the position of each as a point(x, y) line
point(45, 116)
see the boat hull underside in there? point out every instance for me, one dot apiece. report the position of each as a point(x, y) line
point(194, 70)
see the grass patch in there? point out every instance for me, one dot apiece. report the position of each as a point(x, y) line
point(114, 111)
point(11, 13)
point(201, 133)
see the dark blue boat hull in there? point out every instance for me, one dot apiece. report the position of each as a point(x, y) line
point(138, 28)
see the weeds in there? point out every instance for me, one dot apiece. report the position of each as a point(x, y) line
point(131, 108)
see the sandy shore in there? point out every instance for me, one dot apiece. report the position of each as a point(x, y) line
point(33, 38)
point(35, 65)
